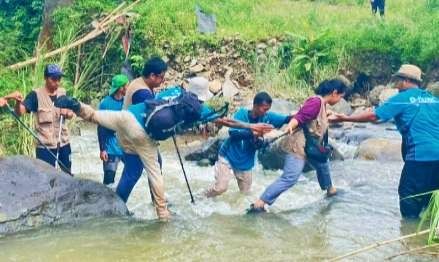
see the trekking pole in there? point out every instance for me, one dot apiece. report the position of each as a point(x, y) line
point(182, 167)
point(36, 137)
point(274, 139)
point(58, 145)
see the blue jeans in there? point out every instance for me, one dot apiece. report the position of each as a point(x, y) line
point(292, 170)
point(130, 175)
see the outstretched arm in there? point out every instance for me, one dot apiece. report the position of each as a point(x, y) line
point(368, 116)
point(258, 128)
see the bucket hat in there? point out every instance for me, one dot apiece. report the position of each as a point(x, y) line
point(200, 87)
point(409, 71)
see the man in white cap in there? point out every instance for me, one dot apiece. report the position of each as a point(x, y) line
point(416, 114)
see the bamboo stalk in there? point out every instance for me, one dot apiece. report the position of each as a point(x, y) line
point(78, 63)
point(412, 251)
point(378, 244)
point(91, 35)
point(113, 12)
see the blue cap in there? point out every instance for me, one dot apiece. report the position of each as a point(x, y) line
point(53, 70)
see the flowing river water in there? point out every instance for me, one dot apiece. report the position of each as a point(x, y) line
point(302, 225)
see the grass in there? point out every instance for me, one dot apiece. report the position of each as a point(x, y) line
point(431, 216)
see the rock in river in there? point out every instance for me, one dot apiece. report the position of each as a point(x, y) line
point(33, 193)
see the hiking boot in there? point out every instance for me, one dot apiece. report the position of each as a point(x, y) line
point(255, 210)
point(330, 192)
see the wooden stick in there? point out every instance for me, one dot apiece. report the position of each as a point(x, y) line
point(412, 251)
point(378, 244)
point(93, 34)
point(113, 12)
point(78, 63)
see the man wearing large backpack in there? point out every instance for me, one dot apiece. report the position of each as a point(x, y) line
point(140, 126)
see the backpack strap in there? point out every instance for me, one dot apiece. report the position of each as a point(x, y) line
point(158, 108)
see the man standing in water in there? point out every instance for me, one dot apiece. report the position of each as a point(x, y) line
point(416, 114)
point(50, 121)
point(237, 154)
point(110, 152)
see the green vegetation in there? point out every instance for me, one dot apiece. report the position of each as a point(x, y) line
point(431, 215)
point(320, 38)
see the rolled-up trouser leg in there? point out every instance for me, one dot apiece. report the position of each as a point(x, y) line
point(244, 179)
point(223, 174)
point(130, 175)
point(323, 173)
point(110, 168)
point(292, 170)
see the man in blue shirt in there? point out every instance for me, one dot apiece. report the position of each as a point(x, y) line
point(416, 114)
point(237, 154)
point(110, 152)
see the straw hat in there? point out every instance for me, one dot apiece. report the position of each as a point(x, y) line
point(200, 87)
point(410, 71)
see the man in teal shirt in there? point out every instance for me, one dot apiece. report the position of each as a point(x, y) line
point(416, 114)
point(110, 152)
point(237, 154)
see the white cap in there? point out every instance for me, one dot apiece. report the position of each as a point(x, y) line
point(200, 87)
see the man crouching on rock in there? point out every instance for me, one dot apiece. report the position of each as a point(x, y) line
point(135, 137)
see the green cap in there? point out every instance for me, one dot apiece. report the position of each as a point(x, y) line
point(117, 82)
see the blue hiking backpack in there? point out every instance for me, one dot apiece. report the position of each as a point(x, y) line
point(164, 117)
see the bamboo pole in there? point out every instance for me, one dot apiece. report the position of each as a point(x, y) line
point(91, 35)
point(378, 244)
point(412, 251)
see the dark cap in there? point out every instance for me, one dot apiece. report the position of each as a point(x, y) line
point(53, 70)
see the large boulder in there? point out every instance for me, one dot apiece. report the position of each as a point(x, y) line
point(33, 193)
point(381, 93)
point(355, 133)
point(381, 149)
point(280, 106)
point(342, 107)
point(207, 153)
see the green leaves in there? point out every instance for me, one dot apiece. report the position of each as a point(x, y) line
point(303, 55)
point(431, 214)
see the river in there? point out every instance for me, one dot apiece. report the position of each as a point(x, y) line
point(303, 225)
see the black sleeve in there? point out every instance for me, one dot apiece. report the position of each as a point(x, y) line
point(31, 102)
point(102, 138)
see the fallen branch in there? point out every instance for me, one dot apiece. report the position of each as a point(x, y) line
point(91, 35)
point(412, 251)
point(378, 244)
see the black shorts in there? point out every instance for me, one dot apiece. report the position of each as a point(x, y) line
point(64, 156)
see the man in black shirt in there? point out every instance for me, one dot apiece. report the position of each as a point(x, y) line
point(49, 121)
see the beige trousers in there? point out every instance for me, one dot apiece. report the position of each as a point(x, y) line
point(133, 139)
point(223, 174)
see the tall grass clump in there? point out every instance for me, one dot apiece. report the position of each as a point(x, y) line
point(431, 216)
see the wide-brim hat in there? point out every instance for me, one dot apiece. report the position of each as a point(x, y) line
point(117, 83)
point(200, 87)
point(411, 72)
